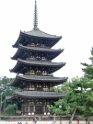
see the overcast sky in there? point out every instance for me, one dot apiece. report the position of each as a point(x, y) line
point(73, 19)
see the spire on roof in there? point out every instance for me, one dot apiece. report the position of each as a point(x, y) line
point(35, 17)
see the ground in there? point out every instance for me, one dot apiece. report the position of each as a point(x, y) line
point(42, 122)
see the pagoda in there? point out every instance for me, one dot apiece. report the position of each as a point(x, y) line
point(35, 70)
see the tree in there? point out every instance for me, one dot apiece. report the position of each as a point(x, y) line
point(88, 72)
point(63, 89)
point(6, 90)
point(88, 68)
point(78, 101)
point(11, 109)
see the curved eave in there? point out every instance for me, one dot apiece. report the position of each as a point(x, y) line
point(40, 34)
point(37, 94)
point(52, 53)
point(22, 80)
point(23, 35)
point(23, 64)
point(18, 40)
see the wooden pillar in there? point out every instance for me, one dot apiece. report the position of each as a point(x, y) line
point(28, 108)
point(34, 108)
point(44, 108)
point(22, 109)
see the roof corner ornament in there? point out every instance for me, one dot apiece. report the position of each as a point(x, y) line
point(35, 17)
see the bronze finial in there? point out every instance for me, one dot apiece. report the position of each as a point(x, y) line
point(35, 17)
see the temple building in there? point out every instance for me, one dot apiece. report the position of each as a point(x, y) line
point(35, 68)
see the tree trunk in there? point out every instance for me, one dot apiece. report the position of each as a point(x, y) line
point(72, 116)
point(88, 121)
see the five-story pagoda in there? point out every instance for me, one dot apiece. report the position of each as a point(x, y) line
point(34, 70)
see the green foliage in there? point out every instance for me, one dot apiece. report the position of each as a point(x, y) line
point(79, 97)
point(61, 107)
point(5, 81)
point(55, 89)
point(5, 86)
point(6, 90)
point(63, 89)
point(91, 58)
point(87, 108)
point(88, 68)
point(10, 109)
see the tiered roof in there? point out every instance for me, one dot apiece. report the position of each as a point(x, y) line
point(38, 94)
point(23, 65)
point(52, 53)
point(37, 36)
point(39, 33)
point(22, 80)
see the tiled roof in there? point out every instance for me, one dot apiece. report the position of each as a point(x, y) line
point(41, 78)
point(36, 35)
point(52, 53)
point(39, 33)
point(42, 63)
point(23, 80)
point(41, 94)
point(39, 49)
point(28, 63)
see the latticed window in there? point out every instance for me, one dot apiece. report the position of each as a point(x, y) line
point(45, 85)
point(42, 45)
point(38, 57)
point(32, 72)
point(44, 72)
point(39, 85)
point(32, 85)
point(43, 58)
point(32, 58)
point(33, 44)
point(39, 103)
point(38, 72)
point(25, 108)
point(31, 108)
point(32, 103)
point(38, 44)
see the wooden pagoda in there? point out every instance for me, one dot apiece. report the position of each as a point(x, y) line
point(35, 70)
